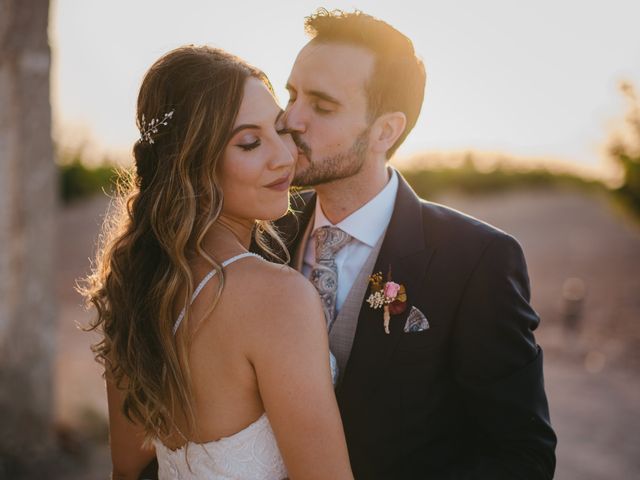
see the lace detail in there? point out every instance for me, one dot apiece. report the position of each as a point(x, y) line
point(250, 454)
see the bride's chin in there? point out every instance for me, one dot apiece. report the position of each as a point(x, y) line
point(274, 213)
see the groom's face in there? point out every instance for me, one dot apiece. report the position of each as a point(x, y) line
point(327, 111)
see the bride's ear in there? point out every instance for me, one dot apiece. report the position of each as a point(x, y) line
point(386, 130)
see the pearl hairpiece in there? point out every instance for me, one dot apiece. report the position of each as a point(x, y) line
point(148, 130)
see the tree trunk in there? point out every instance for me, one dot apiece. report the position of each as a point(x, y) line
point(28, 186)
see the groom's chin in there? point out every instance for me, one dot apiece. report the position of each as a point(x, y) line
point(300, 176)
point(301, 181)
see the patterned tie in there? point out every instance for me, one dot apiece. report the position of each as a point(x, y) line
point(324, 276)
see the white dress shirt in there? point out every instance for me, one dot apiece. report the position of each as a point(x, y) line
point(366, 225)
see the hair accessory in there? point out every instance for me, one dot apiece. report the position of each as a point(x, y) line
point(148, 130)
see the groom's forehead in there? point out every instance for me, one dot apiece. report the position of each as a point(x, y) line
point(343, 65)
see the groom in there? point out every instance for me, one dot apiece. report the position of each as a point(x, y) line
point(452, 387)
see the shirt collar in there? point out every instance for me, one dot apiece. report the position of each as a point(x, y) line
point(368, 223)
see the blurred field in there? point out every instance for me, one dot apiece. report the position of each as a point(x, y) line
point(592, 373)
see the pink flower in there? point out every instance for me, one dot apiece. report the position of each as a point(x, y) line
point(391, 290)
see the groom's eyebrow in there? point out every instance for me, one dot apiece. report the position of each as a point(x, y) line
point(316, 93)
point(323, 96)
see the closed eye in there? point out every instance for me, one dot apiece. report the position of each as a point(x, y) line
point(250, 146)
point(320, 110)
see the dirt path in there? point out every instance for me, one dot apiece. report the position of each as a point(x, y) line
point(592, 376)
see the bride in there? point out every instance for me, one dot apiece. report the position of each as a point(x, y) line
point(216, 360)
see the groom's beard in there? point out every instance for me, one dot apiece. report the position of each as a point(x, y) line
point(336, 167)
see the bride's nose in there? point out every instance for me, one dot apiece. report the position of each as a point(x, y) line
point(286, 153)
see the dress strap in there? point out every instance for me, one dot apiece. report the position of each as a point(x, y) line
point(208, 277)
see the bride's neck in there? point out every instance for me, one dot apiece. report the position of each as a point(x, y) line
point(228, 236)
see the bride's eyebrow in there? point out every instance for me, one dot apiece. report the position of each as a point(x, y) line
point(244, 126)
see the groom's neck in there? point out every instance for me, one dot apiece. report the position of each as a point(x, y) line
point(341, 198)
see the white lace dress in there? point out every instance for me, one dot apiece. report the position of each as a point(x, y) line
point(250, 454)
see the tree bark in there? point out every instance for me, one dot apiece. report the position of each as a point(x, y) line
point(28, 197)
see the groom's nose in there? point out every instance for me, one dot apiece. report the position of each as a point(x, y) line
point(294, 117)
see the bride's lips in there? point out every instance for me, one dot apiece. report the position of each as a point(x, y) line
point(282, 183)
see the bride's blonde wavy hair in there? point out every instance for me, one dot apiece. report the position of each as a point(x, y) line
point(156, 224)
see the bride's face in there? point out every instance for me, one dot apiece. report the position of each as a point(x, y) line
point(258, 163)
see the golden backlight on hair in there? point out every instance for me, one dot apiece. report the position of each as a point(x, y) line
point(158, 220)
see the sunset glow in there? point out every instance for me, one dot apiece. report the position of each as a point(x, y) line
point(527, 79)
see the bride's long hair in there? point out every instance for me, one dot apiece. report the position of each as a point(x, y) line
point(157, 222)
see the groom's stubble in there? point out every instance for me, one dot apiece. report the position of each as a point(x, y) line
point(334, 167)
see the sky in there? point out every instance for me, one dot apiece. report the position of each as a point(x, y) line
point(531, 79)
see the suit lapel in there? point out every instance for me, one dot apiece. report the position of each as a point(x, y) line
point(343, 329)
point(403, 249)
point(405, 252)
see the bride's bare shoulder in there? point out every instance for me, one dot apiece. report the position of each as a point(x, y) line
point(274, 292)
point(264, 282)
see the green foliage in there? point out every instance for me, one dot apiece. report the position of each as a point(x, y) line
point(624, 148)
point(77, 180)
point(428, 182)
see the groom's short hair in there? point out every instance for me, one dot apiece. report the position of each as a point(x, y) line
point(398, 79)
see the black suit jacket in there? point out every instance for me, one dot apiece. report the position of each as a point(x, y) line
point(465, 398)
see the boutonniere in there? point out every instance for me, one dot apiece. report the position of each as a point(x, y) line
point(390, 296)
